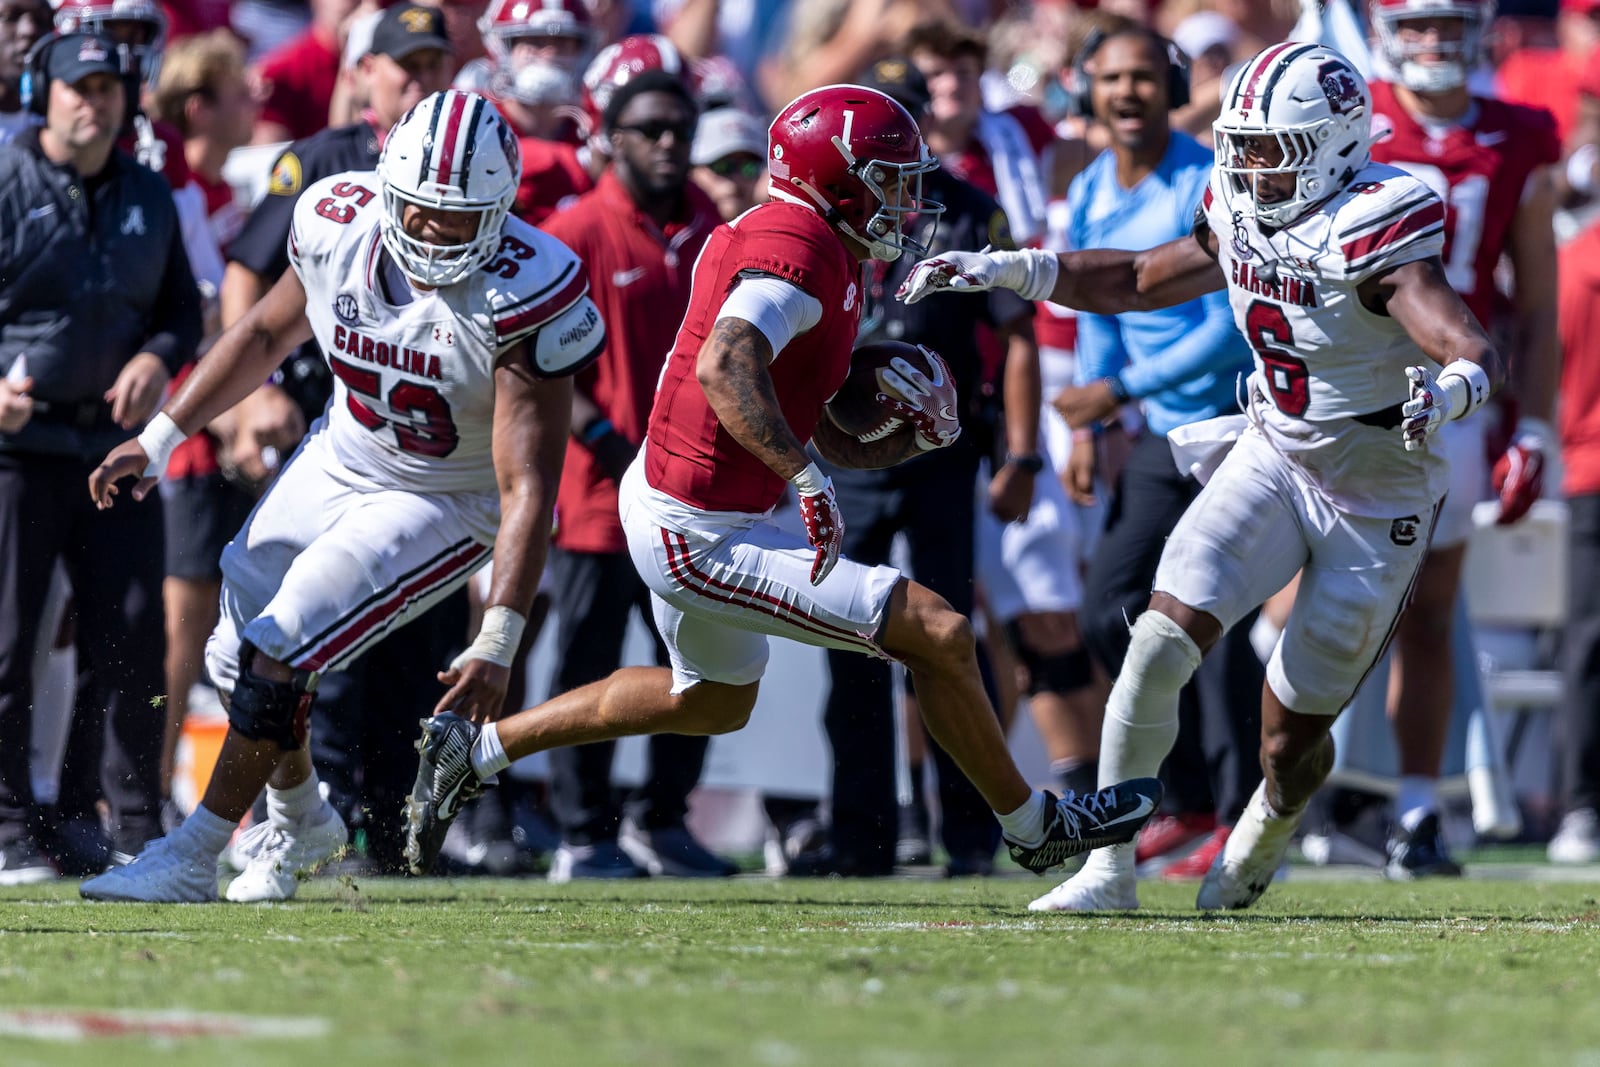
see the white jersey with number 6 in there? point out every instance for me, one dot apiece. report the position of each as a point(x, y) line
point(413, 403)
point(1322, 358)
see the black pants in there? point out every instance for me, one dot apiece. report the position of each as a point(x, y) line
point(1580, 706)
point(364, 724)
point(114, 561)
point(1213, 765)
point(594, 592)
point(930, 501)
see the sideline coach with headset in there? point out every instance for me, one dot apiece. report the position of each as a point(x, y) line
point(97, 308)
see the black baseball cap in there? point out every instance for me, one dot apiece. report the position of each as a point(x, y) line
point(75, 56)
point(898, 77)
point(407, 28)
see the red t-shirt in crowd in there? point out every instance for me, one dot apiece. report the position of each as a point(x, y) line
point(1578, 318)
point(639, 278)
point(300, 79)
point(553, 177)
point(690, 456)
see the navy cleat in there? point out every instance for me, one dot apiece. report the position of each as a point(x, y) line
point(1075, 823)
point(445, 781)
point(1420, 853)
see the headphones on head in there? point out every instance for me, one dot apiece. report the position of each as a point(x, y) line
point(34, 87)
point(1080, 98)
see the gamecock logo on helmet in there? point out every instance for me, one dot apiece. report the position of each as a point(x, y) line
point(1340, 86)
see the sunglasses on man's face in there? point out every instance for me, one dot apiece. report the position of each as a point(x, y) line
point(682, 132)
point(745, 167)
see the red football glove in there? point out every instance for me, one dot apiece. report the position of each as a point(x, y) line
point(819, 510)
point(1519, 473)
point(929, 404)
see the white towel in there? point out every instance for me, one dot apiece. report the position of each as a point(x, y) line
point(1016, 174)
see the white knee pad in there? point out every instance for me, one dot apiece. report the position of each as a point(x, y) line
point(1141, 720)
point(1161, 656)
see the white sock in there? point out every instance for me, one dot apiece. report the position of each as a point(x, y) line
point(488, 754)
point(287, 806)
point(1417, 799)
point(1025, 826)
point(204, 832)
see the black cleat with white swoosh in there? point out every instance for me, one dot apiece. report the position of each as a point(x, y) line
point(445, 781)
point(1075, 823)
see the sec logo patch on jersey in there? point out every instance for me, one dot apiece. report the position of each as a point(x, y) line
point(347, 309)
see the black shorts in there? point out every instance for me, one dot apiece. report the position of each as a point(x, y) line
point(203, 512)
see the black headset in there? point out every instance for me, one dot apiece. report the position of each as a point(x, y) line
point(1080, 99)
point(35, 85)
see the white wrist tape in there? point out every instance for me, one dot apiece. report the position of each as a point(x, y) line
point(1031, 272)
point(1465, 385)
point(1580, 168)
point(810, 481)
point(159, 439)
point(497, 638)
point(1529, 427)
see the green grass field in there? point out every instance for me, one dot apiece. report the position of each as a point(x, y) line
point(757, 972)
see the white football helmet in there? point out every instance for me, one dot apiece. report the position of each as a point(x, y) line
point(1459, 57)
point(451, 152)
point(144, 47)
point(1315, 106)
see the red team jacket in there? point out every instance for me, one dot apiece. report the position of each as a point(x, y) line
point(639, 278)
point(689, 456)
point(1478, 170)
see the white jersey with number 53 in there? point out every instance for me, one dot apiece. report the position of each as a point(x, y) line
point(413, 402)
point(1322, 358)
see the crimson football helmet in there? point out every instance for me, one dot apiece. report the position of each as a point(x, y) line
point(1457, 57)
point(1305, 104)
point(452, 152)
point(856, 157)
point(142, 34)
point(545, 79)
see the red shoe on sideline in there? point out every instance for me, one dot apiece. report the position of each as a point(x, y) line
point(1194, 866)
point(1168, 833)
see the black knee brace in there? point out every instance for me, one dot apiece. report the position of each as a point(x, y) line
point(264, 710)
point(1062, 672)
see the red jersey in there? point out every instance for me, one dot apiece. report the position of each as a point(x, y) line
point(158, 146)
point(553, 177)
point(688, 455)
point(1478, 169)
point(639, 278)
point(300, 77)
point(1578, 316)
point(1545, 78)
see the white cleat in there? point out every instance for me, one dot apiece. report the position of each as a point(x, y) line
point(285, 855)
point(1251, 858)
point(247, 844)
point(1094, 888)
point(161, 874)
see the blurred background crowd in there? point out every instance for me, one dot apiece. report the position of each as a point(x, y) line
point(246, 102)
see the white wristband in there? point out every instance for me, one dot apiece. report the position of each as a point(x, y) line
point(810, 481)
point(497, 638)
point(1466, 385)
point(158, 439)
point(1031, 272)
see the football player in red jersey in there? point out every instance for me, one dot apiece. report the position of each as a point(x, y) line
point(1489, 161)
point(773, 313)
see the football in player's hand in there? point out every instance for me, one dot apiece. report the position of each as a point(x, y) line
point(856, 408)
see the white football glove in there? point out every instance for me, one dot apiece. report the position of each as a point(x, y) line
point(961, 271)
point(1426, 411)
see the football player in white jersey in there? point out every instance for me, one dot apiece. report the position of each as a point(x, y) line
point(1362, 351)
point(452, 330)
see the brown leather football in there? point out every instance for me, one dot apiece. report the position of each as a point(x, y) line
point(855, 408)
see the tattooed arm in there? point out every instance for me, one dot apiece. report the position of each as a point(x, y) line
point(732, 369)
point(843, 450)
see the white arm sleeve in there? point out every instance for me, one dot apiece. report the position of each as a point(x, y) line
point(779, 309)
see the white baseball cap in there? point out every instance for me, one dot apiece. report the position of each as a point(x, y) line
point(724, 131)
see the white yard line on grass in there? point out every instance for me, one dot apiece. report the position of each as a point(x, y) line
point(64, 1024)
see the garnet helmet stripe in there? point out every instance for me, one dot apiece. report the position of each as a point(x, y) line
point(456, 103)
